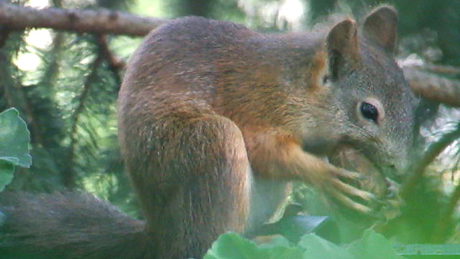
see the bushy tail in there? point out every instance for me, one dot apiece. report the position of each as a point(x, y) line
point(67, 225)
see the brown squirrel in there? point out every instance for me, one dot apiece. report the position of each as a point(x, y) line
point(215, 121)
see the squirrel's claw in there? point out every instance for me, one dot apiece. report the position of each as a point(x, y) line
point(353, 191)
point(351, 197)
point(351, 204)
point(345, 174)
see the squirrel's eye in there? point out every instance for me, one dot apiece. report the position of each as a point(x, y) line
point(369, 111)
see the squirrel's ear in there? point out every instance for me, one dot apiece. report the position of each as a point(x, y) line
point(342, 46)
point(380, 26)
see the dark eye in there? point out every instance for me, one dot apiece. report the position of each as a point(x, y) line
point(369, 111)
point(326, 79)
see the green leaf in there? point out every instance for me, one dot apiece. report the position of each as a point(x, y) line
point(429, 250)
point(318, 248)
point(14, 139)
point(6, 174)
point(373, 246)
point(233, 246)
point(277, 241)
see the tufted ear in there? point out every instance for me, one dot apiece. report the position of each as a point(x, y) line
point(342, 46)
point(380, 26)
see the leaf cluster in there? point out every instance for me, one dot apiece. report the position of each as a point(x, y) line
point(370, 246)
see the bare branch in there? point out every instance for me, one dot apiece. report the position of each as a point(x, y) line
point(114, 62)
point(441, 69)
point(76, 20)
point(433, 87)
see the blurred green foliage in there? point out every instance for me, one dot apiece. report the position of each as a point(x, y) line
point(370, 246)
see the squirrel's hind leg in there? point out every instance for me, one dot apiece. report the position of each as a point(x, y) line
point(202, 187)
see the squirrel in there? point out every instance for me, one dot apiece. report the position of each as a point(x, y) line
point(215, 121)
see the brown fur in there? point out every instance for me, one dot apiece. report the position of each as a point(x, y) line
point(267, 92)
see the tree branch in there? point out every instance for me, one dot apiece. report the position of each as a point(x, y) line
point(441, 69)
point(115, 64)
point(75, 20)
point(433, 87)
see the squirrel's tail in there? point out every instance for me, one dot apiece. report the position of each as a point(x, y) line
point(67, 225)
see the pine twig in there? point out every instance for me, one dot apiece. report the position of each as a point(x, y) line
point(16, 88)
point(31, 119)
point(69, 174)
point(418, 168)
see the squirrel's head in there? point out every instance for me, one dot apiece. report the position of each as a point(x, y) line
point(374, 105)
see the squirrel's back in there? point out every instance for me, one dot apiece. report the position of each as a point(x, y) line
point(220, 67)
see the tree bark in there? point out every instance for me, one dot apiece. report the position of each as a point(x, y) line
point(102, 21)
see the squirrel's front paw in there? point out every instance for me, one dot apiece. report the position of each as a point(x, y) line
point(369, 192)
point(345, 192)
